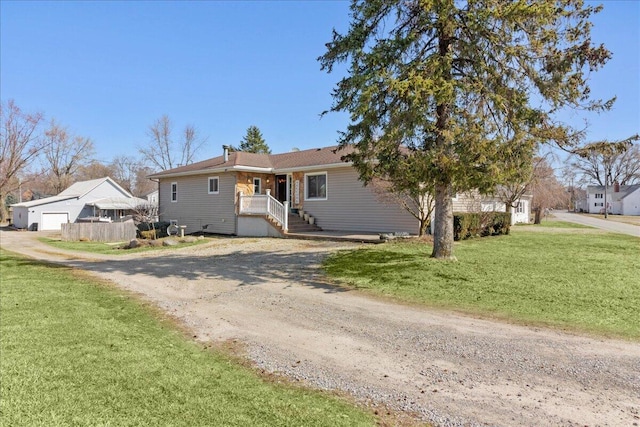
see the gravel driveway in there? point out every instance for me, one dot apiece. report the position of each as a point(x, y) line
point(440, 367)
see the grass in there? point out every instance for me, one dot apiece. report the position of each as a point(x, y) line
point(78, 352)
point(552, 223)
point(110, 248)
point(581, 282)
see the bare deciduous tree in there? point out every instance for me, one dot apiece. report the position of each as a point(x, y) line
point(547, 191)
point(622, 165)
point(93, 170)
point(519, 183)
point(144, 185)
point(63, 155)
point(20, 144)
point(163, 152)
point(418, 201)
point(125, 170)
point(131, 174)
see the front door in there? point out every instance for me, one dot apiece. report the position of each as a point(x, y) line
point(281, 188)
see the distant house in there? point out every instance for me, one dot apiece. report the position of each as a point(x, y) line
point(98, 199)
point(152, 197)
point(250, 194)
point(621, 199)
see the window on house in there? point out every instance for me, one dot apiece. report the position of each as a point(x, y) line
point(257, 185)
point(316, 186)
point(520, 207)
point(599, 195)
point(214, 185)
point(174, 191)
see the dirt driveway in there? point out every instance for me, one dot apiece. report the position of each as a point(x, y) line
point(444, 368)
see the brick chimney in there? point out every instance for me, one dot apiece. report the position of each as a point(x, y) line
point(616, 187)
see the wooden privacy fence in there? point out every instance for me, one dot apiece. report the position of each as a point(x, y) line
point(99, 231)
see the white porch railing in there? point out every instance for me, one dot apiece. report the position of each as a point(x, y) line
point(265, 204)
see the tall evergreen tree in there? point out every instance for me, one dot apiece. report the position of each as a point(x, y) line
point(253, 142)
point(463, 85)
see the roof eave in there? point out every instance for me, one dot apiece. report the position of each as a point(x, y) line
point(313, 167)
point(211, 171)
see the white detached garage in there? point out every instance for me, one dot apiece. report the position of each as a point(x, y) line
point(73, 203)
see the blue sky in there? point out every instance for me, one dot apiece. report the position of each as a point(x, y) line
point(108, 70)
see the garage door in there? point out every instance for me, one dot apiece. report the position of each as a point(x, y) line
point(52, 220)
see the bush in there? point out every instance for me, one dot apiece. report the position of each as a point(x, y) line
point(148, 234)
point(160, 227)
point(480, 224)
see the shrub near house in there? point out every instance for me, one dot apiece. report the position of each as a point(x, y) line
point(480, 224)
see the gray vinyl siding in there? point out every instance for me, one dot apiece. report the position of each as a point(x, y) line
point(469, 201)
point(195, 207)
point(352, 207)
point(20, 217)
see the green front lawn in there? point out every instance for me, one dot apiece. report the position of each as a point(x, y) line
point(554, 223)
point(583, 282)
point(77, 352)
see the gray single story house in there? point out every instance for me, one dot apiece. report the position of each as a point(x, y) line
point(99, 199)
point(248, 194)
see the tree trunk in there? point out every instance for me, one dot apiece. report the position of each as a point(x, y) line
point(443, 224)
point(538, 215)
point(424, 223)
point(3, 209)
point(443, 221)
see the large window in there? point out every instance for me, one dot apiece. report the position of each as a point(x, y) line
point(599, 195)
point(257, 185)
point(214, 185)
point(174, 191)
point(316, 186)
point(520, 207)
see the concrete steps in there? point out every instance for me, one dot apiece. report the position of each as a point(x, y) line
point(299, 225)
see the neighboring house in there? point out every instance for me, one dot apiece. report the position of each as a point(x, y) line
point(621, 199)
point(246, 194)
point(152, 197)
point(98, 199)
point(473, 201)
point(581, 205)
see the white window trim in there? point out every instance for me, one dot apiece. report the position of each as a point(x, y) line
point(259, 181)
point(306, 186)
point(211, 178)
point(171, 192)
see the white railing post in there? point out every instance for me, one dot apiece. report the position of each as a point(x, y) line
point(286, 216)
point(268, 191)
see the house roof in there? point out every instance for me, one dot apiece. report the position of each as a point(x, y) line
point(81, 188)
point(77, 190)
point(119, 203)
point(42, 201)
point(268, 163)
point(625, 190)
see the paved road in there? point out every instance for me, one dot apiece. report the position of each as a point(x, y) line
point(616, 227)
